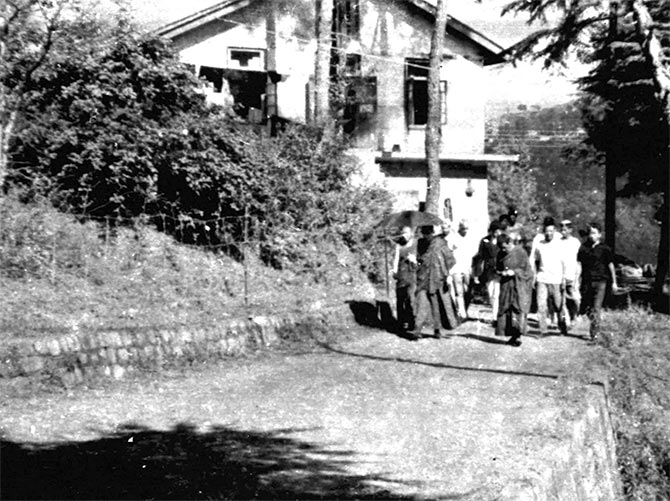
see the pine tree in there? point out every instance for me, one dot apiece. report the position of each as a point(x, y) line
point(629, 88)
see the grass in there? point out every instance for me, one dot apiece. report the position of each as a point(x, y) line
point(636, 362)
point(58, 276)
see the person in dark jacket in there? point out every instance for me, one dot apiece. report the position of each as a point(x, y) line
point(516, 284)
point(597, 265)
point(485, 266)
point(432, 299)
point(404, 272)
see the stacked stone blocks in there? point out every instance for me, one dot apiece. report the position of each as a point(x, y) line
point(74, 357)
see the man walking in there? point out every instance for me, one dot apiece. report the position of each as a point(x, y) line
point(404, 272)
point(597, 261)
point(464, 250)
point(485, 266)
point(571, 295)
point(547, 263)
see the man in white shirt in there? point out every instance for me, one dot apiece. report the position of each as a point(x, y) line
point(464, 249)
point(547, 262)
point(571, 295)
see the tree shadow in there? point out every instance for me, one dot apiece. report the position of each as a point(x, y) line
point(182, 463)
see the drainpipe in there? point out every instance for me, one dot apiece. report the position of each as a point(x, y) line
point(271, 108)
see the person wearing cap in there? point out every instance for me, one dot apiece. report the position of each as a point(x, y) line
point(571, 295)
point(485, 266)
point(464, 250)
point(548, 267)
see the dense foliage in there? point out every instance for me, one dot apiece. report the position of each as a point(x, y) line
point(561, 175)
point(126, 132)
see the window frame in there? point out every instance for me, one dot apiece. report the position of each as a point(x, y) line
point(234, 65)
point(414, 75)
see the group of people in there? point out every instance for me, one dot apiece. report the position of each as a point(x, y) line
point(437, 272)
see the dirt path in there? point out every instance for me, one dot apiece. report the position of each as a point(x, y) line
point(465, 417)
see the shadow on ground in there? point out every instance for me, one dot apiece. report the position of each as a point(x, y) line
point(439, 365)
point(377, 315)
point(140, 463)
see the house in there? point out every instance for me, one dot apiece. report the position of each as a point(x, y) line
point(260, 55)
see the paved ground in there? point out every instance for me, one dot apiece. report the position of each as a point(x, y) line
point(465, 417)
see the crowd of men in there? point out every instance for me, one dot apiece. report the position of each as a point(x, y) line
point(437, 271)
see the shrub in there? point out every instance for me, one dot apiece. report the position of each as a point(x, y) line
point(127, 133)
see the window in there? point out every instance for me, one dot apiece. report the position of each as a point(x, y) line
point(416, 71)
point(360, 102)
point(346, 17)
point(246, 59)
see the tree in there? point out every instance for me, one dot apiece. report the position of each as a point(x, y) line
point(27, 31)
point(433, 124)
point(638, 51)
point(31, 32)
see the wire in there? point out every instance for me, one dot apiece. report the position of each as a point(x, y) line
point(394, 60)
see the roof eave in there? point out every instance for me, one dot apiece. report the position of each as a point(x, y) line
point(201, 17)
point(492, 50)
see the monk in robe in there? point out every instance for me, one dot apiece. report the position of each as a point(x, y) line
point(435, 259)
point(516, 282)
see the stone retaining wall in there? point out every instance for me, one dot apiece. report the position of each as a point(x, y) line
point(584, 466)
point(74, 357)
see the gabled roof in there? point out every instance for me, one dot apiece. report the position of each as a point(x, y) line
point(201, 17)
point(489, 48)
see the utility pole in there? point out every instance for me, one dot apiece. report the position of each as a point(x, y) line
point(610, 161)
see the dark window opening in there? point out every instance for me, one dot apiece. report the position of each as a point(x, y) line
point(213, 75)
point(244, 57)
point(248, 89)
point(347, 17)
point(416, 85)
point(352, 66)
point(360, 102)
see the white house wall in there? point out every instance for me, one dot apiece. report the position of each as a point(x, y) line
point(390, 33)
point(410, 190)
point(294, 57)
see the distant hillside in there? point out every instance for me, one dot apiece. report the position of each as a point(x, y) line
point(569, 174)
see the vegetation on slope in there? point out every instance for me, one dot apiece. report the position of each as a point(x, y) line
point(636, 361)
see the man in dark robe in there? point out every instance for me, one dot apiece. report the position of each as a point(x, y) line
point(435, 260)
point(516, 281)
